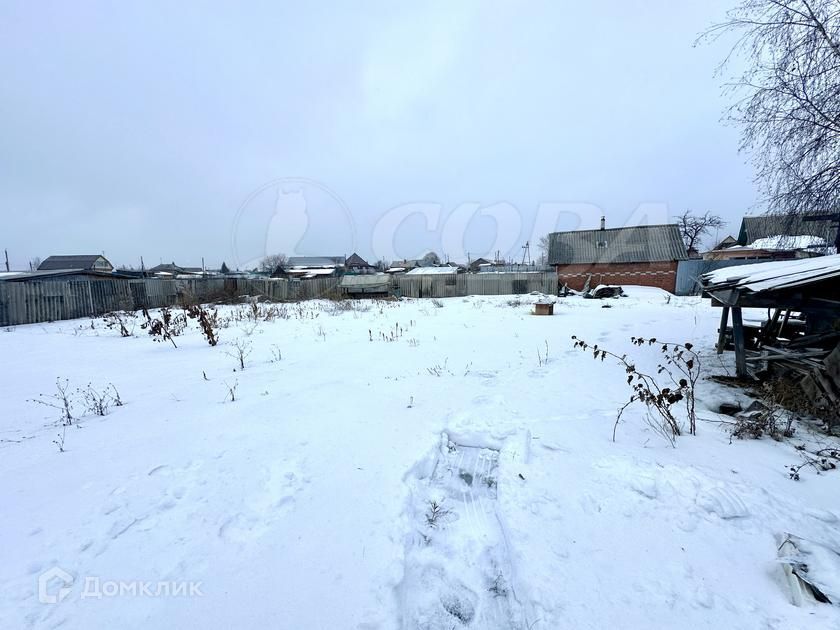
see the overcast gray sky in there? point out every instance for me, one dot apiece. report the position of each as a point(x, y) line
point(157, 129)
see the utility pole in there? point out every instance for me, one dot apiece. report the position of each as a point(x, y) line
point(6, 251)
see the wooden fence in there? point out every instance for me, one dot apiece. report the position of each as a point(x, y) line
point(53, 300)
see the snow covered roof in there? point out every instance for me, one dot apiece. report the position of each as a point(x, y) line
point(767, 225)
point(312, 273)
point(784, 242)
point(432, 271)
point(773, 275)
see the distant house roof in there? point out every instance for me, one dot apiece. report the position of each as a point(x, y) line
point(644, 243)
point(356, 261)
point(767, 225)
point(314, 261)
point(404, 264)
point(729, 241)
point(432, 271)
point(173, 269)
point(92, 261)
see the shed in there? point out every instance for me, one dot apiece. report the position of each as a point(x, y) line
point(371, 284)
point(810, 286)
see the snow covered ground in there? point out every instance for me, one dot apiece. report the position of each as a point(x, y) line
point(308, 502)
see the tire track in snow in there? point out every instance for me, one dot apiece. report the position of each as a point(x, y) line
point(458, 570)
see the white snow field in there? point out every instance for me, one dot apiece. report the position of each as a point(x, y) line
point(307, 502)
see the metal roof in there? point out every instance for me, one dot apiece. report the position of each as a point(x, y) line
point(71, 262)
point(767, 225)
point(773, 275)
point(643, 243)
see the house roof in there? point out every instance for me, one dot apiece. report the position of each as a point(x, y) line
point(432, 271)
point(767, 225)
point(356, 261)
point(314, 261)
point(70, 262)
point(729, 241)
point(643, 243)
point(173, 269)
point(404, 264)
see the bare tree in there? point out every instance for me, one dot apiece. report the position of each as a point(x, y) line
point(542, 246)
point(788, 99)
point(270, 263)
point(35, 263)
point(430, 260)
point(694, 226)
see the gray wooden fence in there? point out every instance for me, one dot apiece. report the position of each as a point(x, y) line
point(53, 300)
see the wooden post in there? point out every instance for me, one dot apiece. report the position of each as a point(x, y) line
point(772, 326)
point(724, 321)
point(784, 322)
point(740, 349)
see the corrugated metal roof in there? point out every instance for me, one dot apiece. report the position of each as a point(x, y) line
point(644, 243)
point(767, 225)
point(773, 275)
point(70, 262)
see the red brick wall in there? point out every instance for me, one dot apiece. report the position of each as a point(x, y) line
point(655, 274)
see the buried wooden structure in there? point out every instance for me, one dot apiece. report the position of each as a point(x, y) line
point(544, 308)
point(802, 299)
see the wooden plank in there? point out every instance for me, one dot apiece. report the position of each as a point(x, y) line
point(740, 348)
point(724, 322)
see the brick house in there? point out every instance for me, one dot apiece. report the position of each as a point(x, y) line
point(646, 255)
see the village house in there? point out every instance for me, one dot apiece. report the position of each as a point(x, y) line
point(645, 255)
point(357, 264)
point(778, 237)
point(769, 225)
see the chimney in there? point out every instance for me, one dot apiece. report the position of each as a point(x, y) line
point(603, 222)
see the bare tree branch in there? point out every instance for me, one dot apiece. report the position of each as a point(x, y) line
point(788, 99)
